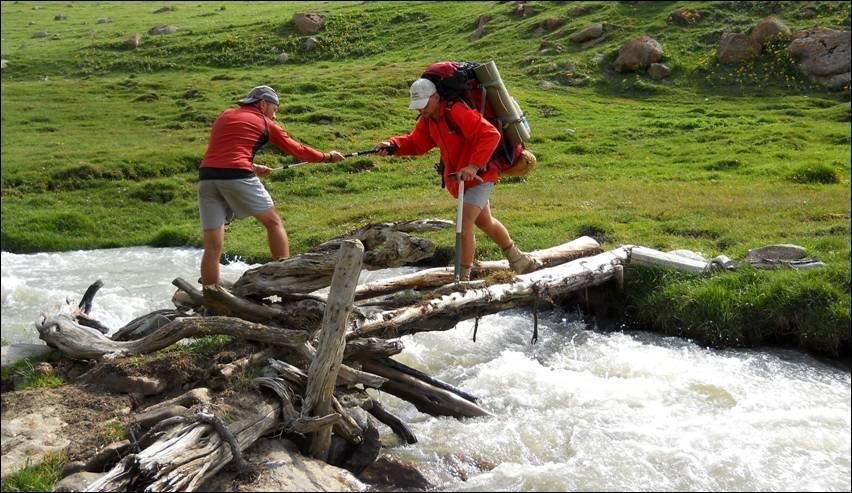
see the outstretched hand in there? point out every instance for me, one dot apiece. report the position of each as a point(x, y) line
point(335, 156)
point(385, 148)
point(261, 170)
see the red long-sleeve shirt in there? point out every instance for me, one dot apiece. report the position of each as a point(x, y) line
point(236, 135)
point(472, 142)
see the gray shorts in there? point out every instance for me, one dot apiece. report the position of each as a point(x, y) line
point(221, 200)
point(478, 195)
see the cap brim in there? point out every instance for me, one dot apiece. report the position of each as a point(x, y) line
point(418, 104)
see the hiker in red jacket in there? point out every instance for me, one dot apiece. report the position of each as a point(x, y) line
point(466, 141)
point(228, 184)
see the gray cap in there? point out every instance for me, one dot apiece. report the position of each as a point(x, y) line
point(259, 93)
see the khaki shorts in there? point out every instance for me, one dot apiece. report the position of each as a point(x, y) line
point(478, 195)
point(219, 201)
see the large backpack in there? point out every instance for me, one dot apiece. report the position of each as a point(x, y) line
point(458, 81)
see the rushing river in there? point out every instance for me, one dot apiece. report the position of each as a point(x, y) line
point(580, 410)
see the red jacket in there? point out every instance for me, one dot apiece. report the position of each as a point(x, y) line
point(237, 135)
point(472, 142)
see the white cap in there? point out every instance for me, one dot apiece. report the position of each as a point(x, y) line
point(421, 91)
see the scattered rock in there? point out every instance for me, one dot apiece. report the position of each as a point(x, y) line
point(808, 13)
point(767, 30)
point(823, 55)
point(27, 439)
point(44, 369)
point(40, 34)
point(163, 9)
point(552, 23)
point(479, 28)
point(524, 10)
point(310, 43)
point(684, 17)
point(776, 252)
point(284, 468)
point(56, 37)
point(390, 473)
point(123, 384)
point(284, 57)
point(3, 65)
point(308, 23)
point(9, 355)
point(164, 29)
point(659, 71)
point(638, 54)
point(104, 20)
point(583, 10)
point(548, 47)
point(598, 58)
point(588, 33)
point(60, 17)
point(79, 481)
point(573, 79)
point(132, 42)
point(546, 85)
point(734, 48)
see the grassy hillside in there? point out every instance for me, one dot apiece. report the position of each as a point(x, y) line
point(100, 144)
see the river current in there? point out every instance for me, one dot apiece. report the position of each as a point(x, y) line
point(582, 409)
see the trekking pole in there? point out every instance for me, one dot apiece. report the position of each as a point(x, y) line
point(459, 209)
point(457, 272)
point(302, 163)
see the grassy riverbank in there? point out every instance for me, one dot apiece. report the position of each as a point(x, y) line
point(100, 144)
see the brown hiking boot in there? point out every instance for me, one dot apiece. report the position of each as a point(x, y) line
point(519, 261)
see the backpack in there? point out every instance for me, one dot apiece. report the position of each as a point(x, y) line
point(459, 81)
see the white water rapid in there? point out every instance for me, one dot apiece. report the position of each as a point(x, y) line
point(580, 410)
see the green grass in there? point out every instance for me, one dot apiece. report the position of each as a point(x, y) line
point(39, 477)
point(718, 159)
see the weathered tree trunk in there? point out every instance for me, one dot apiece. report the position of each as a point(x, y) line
point(445, 312)
point(386, 245)
point(79, 342)
point(430, 278)
point(322, 374)
point(187, 454)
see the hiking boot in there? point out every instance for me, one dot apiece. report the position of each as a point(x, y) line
point(519, 261)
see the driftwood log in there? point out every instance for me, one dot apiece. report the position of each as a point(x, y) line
point(320, 352)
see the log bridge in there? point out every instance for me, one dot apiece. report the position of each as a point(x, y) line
point(321, 351)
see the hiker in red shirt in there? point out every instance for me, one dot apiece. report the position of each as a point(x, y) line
point(228, 184)
point(466, 141)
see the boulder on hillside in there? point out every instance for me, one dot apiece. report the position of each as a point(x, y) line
point(132, 42)
point(767, 30)
point(684, 17)
point(166, 29)
point(659, 71)
point(163, 9)
point(823, 55)
point(60, 17)
point(308, 23)
point(284, 57)
point(582, 10)
point(40, 34)
point(734, 48)
point(552, 23)
point(310, 43)
point(104, 20)
point(638, 54)
point(479, 27)
point(588, 33)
